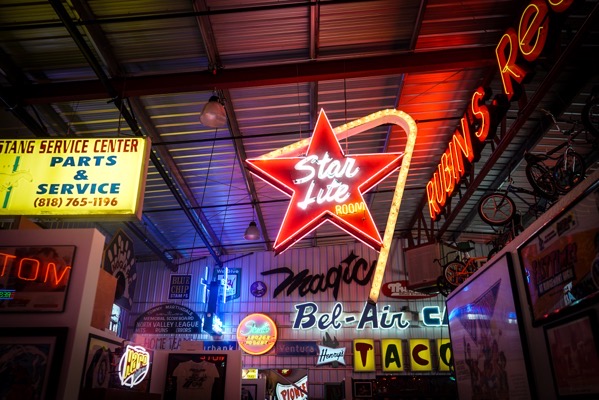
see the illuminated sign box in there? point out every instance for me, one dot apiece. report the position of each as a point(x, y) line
point(134, 365)
point(364, 355)
point(73, 176)
point(35, 278)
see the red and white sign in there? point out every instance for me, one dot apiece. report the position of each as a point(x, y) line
point(295, 391)
point(326, 185)
point(399, 290)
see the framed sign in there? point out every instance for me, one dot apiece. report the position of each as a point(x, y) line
point(30, 362)
point(362, 389)
point(195, 375)
point(574, 350)
point(98, 368)
point(101, 367)
point(35, 278)
point(333, 391)
point(249, 391)
point(168, 319)
point(485, 329)
point(180, 287)
point(560, 262)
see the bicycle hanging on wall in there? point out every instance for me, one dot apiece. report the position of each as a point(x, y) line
point(455, 271)
point(498, 209)
point(590, 112)
point(568, 170)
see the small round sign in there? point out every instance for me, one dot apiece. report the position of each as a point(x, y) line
point(257, 334)
point(258, 289)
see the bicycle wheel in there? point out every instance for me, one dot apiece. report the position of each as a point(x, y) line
point(569, 171)
point(455, 272)
point(541, 180)
point(496, 209)
point(444, 287)
point(590, 116)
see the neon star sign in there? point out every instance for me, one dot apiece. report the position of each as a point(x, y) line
point(326, 185)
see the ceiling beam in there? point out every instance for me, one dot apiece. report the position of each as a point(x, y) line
point(278, 74)
point(131, 121)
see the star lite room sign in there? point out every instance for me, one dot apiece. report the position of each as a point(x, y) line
point(326, 185)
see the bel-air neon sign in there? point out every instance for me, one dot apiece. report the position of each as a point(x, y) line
point(309, 317)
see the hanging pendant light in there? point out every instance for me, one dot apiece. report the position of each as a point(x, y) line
point(252, 232)
point(214, 115)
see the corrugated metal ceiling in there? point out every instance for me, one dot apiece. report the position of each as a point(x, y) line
point(275, 64)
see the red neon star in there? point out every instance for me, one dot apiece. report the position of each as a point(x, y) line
point(326, 185)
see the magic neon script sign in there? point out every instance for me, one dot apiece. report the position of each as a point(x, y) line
point(134, 365)
point(257, 334)
point(326, 185)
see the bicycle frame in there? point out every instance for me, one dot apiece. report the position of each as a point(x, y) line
point(457, 273)
point(568, 170)
point(515, 190)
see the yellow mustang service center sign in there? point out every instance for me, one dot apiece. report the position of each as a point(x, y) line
point(74, 176)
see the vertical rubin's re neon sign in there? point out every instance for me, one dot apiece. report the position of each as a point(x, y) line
point(463, 148)
point(515, 51)
point(528, 42)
